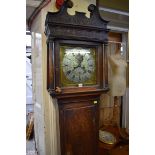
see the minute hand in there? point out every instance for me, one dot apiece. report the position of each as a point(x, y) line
point(79, 65)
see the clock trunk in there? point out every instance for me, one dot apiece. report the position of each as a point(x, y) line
point(79, 126)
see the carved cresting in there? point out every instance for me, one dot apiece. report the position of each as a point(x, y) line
point(62, 25)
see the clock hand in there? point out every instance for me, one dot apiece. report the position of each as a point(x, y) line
point(77, 66)
point(79, 59)
point(84, 69)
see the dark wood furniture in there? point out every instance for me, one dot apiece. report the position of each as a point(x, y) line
point(121, 145)
point(78, 103)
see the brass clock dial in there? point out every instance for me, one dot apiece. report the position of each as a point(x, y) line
point(78, 65)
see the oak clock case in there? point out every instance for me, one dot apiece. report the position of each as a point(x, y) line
point(77, 75)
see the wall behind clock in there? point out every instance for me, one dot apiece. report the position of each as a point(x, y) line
point(107, 101)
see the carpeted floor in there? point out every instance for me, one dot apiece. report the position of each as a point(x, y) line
point(31, 153)
point(30, 147)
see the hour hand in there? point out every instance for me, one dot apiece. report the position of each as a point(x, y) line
point(84, 69)
point(76, 66)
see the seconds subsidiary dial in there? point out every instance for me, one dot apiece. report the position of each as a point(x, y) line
point(78, 64)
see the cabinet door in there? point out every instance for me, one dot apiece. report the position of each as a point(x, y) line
point(79, 129)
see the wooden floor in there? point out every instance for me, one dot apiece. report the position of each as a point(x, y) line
point(118, 150)
point(121, 150)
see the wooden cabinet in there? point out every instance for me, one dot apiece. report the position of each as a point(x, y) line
point(79, 126)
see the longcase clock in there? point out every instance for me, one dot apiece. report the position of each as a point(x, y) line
point(77, 75)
